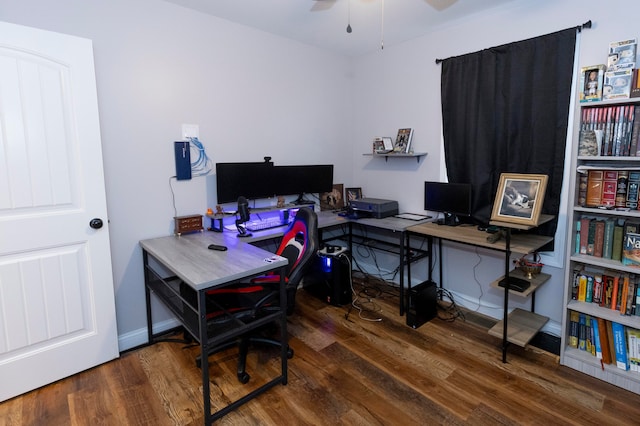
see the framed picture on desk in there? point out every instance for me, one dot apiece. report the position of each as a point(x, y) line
point(519, 198)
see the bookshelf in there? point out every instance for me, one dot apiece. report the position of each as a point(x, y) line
point(595, 263)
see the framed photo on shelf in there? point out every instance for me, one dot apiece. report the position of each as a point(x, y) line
point(519, 198)
point(332, 200)
point(403, 141)
point(352, 194)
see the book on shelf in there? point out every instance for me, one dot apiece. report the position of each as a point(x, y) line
point(598, 239)
point(597, 289)
point(618, 235)
point(633, 346)
point(620, 344)
point(607, 250)
point(403, 141)
point(635, 84)
point(604, 340)
point(621, 188)
point(594, 188)
point(596, 338)
point(574, 319)
point(582, 332)
point(631, 249)
point(609, 188)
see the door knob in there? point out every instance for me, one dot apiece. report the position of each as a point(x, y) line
point(95, 223)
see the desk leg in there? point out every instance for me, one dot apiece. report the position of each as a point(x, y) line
point(147, 295)
point(284, 338)
point(204, 357)
point(505, 314)
point(403, 246)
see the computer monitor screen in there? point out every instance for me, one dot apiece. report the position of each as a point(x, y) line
point(452, 199)
point(251, 180)
point(299, 180)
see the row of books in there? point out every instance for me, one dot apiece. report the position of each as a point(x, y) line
point(614, 129)
point(619, 189)
point(609, 341)
point(609, 238)
point(609, 289)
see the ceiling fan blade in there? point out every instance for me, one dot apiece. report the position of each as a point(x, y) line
point(440, 5)
point(320, 5)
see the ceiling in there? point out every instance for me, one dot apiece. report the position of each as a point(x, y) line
point(323, 23)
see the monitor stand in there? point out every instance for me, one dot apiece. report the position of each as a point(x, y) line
point(300, 201)
point(449, 220)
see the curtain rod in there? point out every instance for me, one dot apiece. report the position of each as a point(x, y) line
point(586, 25)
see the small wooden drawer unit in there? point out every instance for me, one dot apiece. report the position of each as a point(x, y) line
point(185, 224)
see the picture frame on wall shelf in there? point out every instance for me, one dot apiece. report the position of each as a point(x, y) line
point(333, 200)
point(352, 194)
point(403, 141)
point(519, 198)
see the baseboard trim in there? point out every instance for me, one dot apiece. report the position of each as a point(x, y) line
point(139, 337)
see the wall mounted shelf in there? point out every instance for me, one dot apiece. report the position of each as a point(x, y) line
point(415, 155)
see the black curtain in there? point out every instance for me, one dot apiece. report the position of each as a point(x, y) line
point(505, 109)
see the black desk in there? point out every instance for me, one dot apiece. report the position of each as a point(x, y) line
point(188, 259)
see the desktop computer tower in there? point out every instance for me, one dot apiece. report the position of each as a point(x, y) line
point(329, 278)
point(422, 304)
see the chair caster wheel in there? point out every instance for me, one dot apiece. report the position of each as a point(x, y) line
point(289, 353)
point(244, 378)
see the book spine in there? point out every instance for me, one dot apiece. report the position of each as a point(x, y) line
point(584, 234)
point(635, 130)
point(633, 186)
point(582, 332)
point(607, 250)
point(620, 344)
point(618, 236)
point(598, 241)
point(594, 188)
point(597, 289)
point(574, 319)
point(604, 341)
point(621, 189)
point(596, 338)
point(609, 188)
point(582, 288)
point(589, 291)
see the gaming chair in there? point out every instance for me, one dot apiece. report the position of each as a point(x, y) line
point(253, 300)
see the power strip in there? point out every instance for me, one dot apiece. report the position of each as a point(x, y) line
point(331, 250)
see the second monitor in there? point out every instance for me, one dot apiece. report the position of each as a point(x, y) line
point(451, 199)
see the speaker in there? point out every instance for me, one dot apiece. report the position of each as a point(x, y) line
point(329, 279)
point(423, 304)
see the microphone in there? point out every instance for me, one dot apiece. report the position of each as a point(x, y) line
point(243, 216)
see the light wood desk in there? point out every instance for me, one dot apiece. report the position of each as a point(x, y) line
point(172, 260)
point(523, 325)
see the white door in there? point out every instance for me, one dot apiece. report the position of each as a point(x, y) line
point(57, 311)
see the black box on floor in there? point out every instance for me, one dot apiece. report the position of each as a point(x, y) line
point(423, 304)
point(329, 278)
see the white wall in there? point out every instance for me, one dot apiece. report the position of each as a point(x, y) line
point(159, 66)
point(253, 94)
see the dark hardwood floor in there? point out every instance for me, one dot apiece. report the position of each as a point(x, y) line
point(346, 370)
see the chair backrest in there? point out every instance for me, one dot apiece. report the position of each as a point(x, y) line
point(300, 244)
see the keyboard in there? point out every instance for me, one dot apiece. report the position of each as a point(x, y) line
point(262, 224)
point(516, 284)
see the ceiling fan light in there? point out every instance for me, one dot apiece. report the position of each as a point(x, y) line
point(349, 28)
